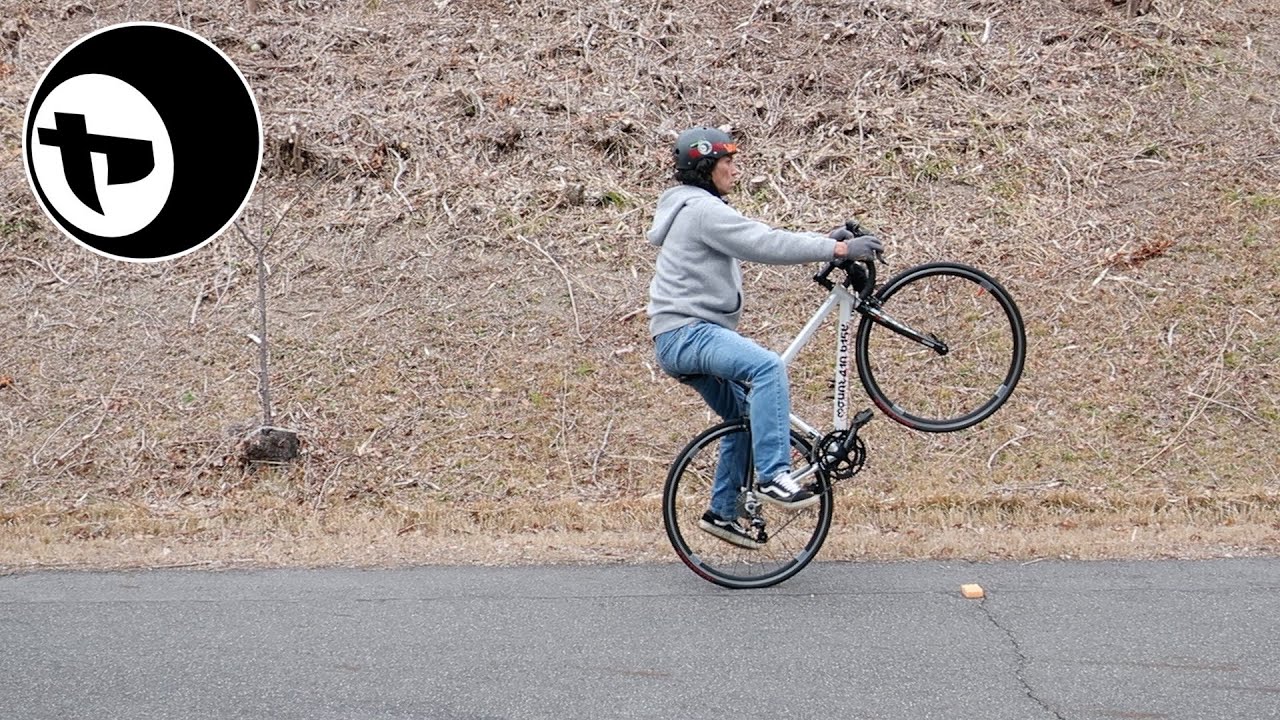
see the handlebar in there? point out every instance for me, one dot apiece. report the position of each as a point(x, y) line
point(862, 281)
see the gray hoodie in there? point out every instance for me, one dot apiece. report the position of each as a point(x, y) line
point(702, 240)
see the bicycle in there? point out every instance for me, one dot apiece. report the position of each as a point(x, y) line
point(913, 375)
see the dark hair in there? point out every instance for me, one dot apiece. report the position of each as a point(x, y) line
point(699, 175)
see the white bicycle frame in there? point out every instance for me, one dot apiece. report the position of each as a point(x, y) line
point(844, 301)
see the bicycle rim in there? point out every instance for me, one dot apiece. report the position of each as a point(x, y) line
point(795, 536)
point(986, 348)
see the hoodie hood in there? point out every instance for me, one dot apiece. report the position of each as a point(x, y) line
point(670, 203)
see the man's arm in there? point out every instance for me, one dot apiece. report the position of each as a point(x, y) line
point(733, 234)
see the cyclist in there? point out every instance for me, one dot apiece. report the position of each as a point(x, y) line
point(695, 301)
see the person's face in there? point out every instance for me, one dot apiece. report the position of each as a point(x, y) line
point(724, 175)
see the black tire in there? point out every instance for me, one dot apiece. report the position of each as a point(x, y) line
point(795, 536)
point(987, 347)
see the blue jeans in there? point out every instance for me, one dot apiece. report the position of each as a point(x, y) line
point(715, 361)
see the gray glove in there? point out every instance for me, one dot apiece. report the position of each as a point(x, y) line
point(864, 247)
point(861, 247)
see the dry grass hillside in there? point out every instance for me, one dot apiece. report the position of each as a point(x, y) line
point(456, 294)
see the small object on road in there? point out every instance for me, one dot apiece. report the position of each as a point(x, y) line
point(972, 591)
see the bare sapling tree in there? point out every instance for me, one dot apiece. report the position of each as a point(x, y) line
point(267, 443)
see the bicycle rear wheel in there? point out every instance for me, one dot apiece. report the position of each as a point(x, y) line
point(794, 536)
point(966, 378)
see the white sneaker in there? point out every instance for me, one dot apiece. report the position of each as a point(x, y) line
point(785, 493)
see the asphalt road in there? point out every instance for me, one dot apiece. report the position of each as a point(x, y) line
point(1050, 640)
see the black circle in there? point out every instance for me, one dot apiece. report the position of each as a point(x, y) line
point(211, 118)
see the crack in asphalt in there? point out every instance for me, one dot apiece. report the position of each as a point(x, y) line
point(1023, 661)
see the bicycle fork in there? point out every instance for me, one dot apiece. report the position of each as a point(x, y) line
point(933, 342)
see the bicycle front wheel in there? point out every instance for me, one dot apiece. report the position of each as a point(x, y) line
point(943, 350)
point(793, 536)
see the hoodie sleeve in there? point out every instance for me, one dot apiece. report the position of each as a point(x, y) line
point(731, 233)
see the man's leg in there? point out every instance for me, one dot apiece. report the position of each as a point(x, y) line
point(708, 349)
point(728, 400)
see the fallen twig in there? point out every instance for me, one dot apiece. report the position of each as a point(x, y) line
point(49, 267)
point(991, 460)
point(395, 184)
point(195, 308)
point(577, 322)
point(604, 443)
point(325, 485)
point(1247, 415)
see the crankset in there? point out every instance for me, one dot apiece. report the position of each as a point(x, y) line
point(841, 453)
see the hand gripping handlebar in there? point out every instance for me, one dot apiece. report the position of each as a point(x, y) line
point(860, 276)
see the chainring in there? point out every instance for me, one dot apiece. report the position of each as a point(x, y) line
point(837, 464)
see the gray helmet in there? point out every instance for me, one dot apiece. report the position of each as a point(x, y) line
point(701, 143)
